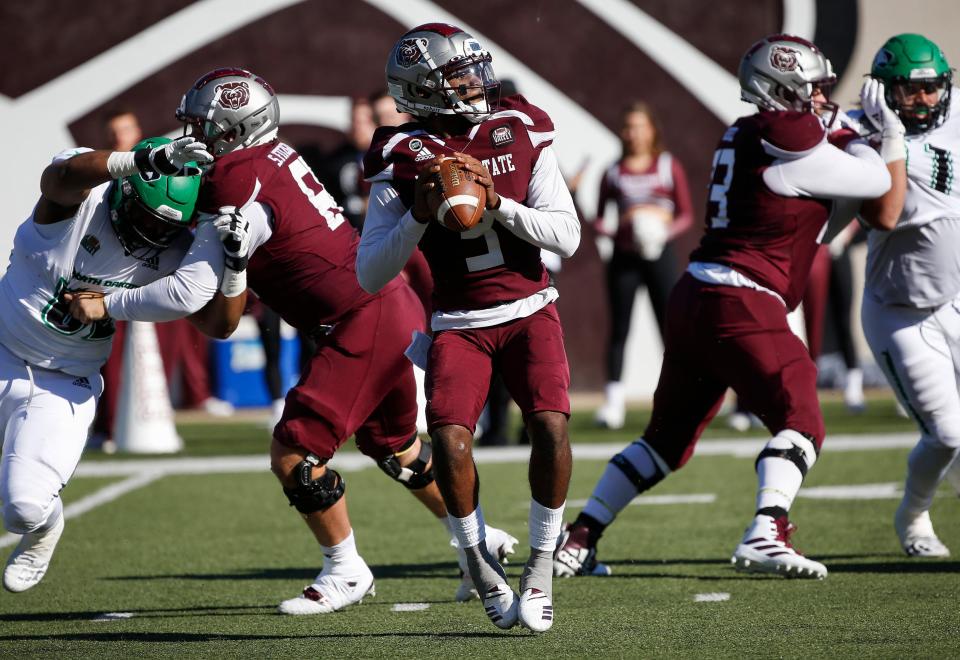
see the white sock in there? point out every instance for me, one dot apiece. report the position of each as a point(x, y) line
point(779, 479)
point(469, 530)
point(614, 491)
point(545, 525)
point(778, 482)
point(926, 466)
point(342, 556)
point(615, 394)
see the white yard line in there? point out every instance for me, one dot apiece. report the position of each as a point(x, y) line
point(654, 500)
point(890, 491)
point(141, 472)
point(351, 462)
point(713, 597)
point(95, 499)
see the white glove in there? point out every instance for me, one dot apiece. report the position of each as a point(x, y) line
point(875, 109)
point(171, 158)
point(168, 159)
point(233, 230)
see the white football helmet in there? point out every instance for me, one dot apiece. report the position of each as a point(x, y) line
point(781, 72)
point(232, 108)
point(438, 69)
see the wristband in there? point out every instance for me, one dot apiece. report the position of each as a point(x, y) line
point(238, 264)
point(234, 283)
point(892, 145)
point(122, 163)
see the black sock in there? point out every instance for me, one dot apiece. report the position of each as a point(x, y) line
point(772, 511)
point(594, 527)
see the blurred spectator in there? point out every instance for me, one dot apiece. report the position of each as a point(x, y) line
point(649, 187)
point(341, 171)
point(268, 322)
point(385, 111)
point(122, 129)
point(840, 301)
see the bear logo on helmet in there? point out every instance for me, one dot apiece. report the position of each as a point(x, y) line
point(783, 59)
point(408, 53)
point(233, 95)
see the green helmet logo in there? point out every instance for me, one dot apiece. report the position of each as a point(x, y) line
point(148, 211)
point(906, 63)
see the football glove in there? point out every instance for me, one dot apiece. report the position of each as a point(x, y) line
point(875, 109)
point(171, 158)
point(233, 230)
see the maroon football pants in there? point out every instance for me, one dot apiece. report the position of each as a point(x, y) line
point(528, 353)
point(359, 381)
point(724, 336)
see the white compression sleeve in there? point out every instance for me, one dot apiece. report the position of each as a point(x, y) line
point(828, 172)
point(390, 234)
point(549, 219)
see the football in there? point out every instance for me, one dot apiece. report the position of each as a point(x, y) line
point(458, 200)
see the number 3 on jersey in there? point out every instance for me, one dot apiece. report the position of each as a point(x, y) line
point(319, 197)
point(493, 255)
point(723, 160)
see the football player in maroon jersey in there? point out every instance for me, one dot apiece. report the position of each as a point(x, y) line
point(493, 298)
point(285, 234)
point(777, 181)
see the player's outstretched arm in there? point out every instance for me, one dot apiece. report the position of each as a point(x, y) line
point(66, 182)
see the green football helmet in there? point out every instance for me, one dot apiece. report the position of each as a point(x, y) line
point(148, 211)
point(908, 64)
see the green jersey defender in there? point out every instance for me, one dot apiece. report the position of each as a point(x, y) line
point(912, 59)
point(148, 211)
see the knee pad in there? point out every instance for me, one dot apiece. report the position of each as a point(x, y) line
point(312, 495)
point(798, 448)
point(415, 475)
point(641, 465)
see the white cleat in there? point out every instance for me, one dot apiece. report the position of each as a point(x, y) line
point(31, 558)
point(535, 611)
point(916, 534)
point(611, 416)
point(330, 593)
point(499, 544)
point(500, 604)
point(766, 548)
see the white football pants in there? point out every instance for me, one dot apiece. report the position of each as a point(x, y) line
point(919, 352)
point(45, 417)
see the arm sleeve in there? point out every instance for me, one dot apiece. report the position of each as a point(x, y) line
point(196, 280)
point(683, 206)
point(550, 221)
point(827, 172)
point(390, 234)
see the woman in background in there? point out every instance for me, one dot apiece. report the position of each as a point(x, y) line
point(650, 189)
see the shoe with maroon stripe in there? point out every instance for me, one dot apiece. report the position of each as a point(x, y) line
point(536, 610)
point(500, 604)
point(330, 593)
point(766, 548)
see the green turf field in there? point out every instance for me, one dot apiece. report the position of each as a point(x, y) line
point(193, 566)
